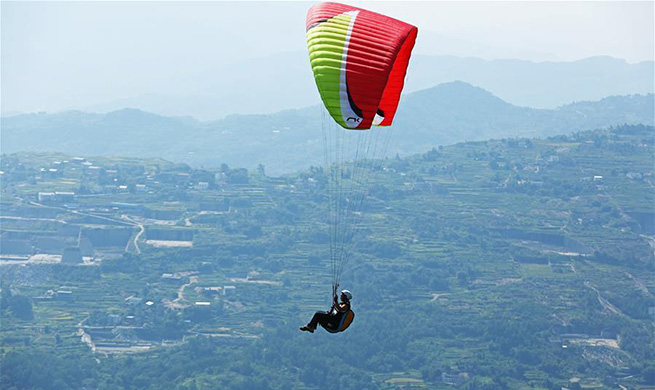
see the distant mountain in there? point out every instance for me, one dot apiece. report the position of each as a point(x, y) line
point(286, 82)
point(458, 111)
point(259, 85)
point(537, 84)
point(292, 140)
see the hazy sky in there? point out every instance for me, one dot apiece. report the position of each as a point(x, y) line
point(57, 55)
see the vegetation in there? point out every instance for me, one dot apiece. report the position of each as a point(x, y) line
point(501, 264)
point(288, 141)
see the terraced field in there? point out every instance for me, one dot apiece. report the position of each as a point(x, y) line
point(499, 264)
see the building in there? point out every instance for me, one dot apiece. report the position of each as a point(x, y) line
point(56, 197)
point(634, 175)
point(72, 255)
point(46, 197)
point(132, 300)
point(454, 379)
point(214, 290)
point(94, 170)
point(65, 295)
point(171, 278)
point(231, 288)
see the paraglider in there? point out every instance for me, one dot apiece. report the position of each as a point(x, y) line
point(337, 319)
point(359, 59)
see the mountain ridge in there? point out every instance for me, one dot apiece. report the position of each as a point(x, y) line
point(290, 140)
point(249, 88)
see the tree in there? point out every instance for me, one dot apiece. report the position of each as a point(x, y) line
point(5, 297)
point(238, 176)
point(21, 307)
point(648, 374)
point(253, 231)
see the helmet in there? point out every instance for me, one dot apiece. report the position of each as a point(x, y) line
point(348, 294)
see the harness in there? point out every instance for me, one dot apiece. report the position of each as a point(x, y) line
point(346, 319)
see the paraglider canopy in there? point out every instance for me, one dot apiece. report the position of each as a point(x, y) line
point(359, 59)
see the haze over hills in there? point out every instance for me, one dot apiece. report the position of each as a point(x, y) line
point(291, 140)
point(176, 202)
point(538, 84)
point(282, 81)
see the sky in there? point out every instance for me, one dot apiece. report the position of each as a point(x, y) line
point(60, 55)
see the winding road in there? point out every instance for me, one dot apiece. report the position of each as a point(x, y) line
point(605, 303)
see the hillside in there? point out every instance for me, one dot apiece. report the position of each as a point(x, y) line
point(507, 264)
point(290, 140)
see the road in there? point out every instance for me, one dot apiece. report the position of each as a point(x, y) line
point(177, 302)
point(605, 303)
point(86, 338)
point(135, 241)
point(639, 284)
